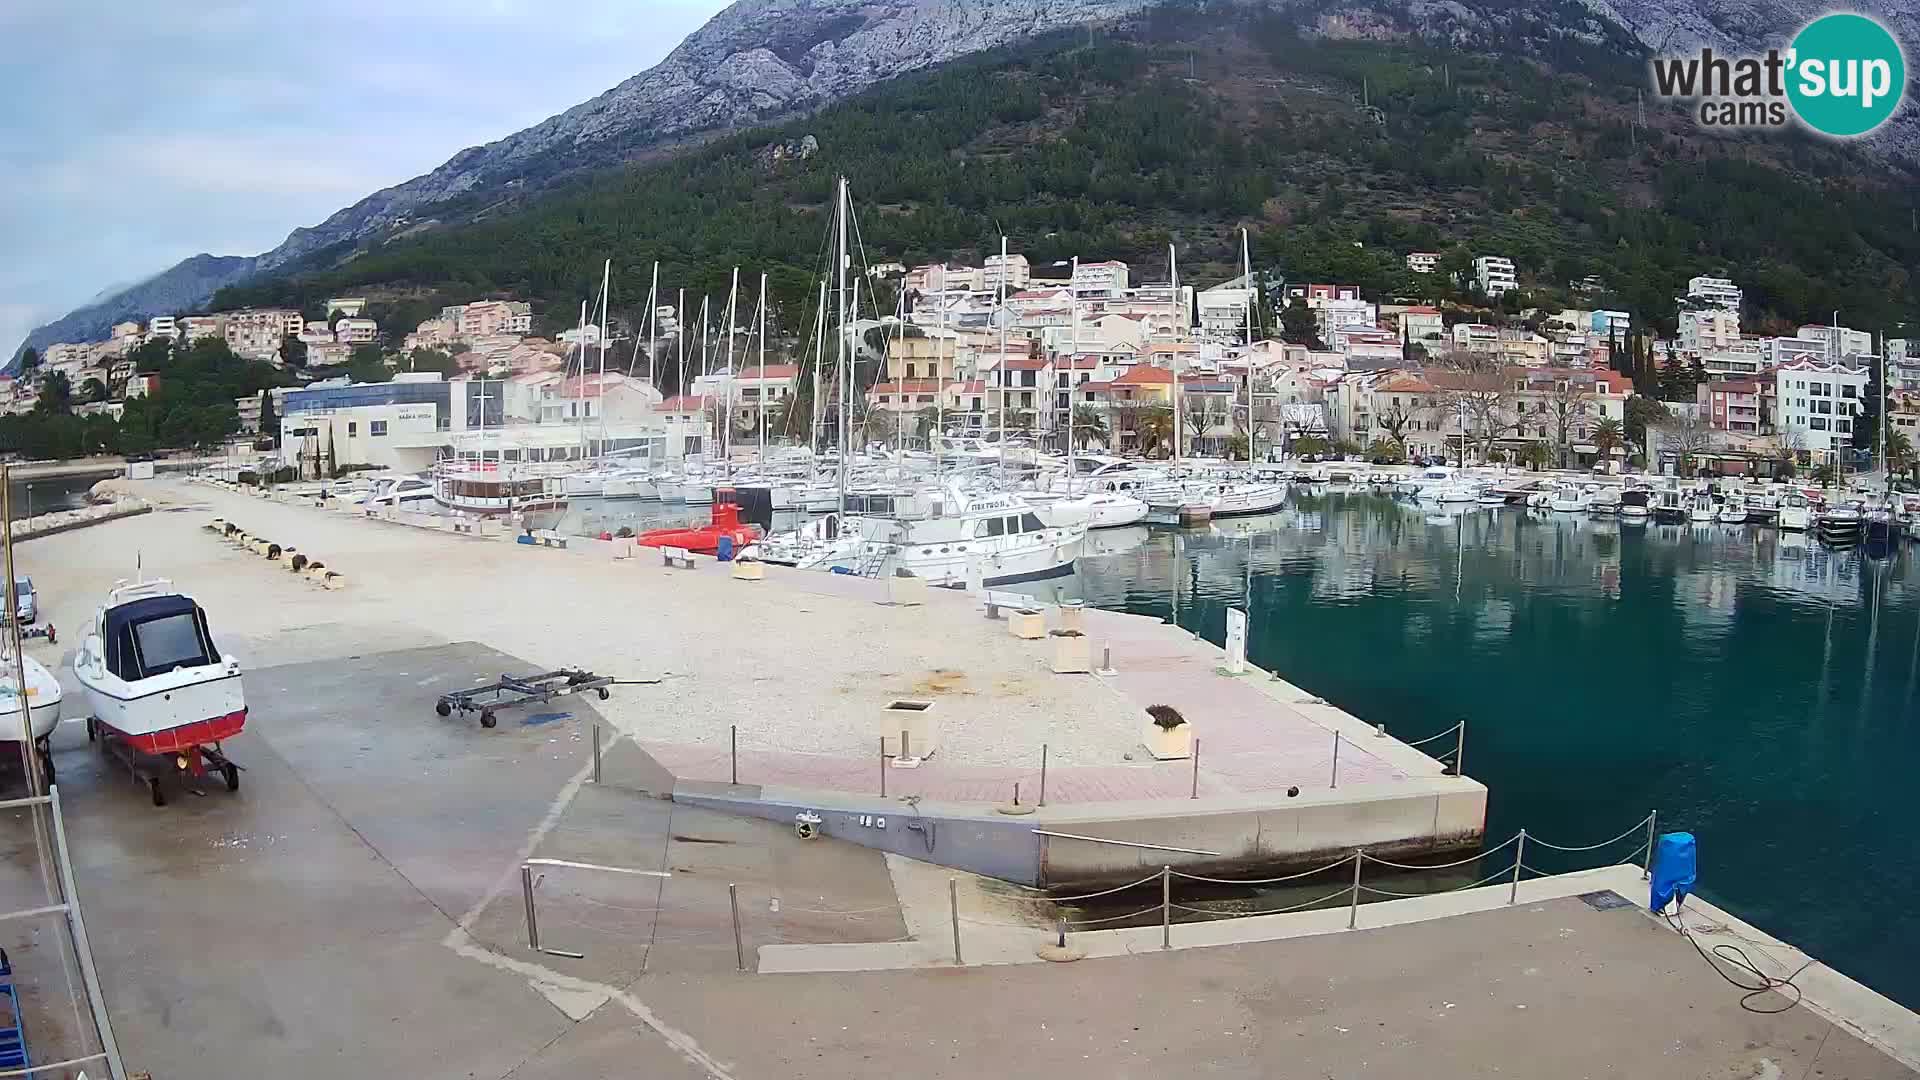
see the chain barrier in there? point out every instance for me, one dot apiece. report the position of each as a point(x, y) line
point(1432, 738)
point(1107, 892)
point(1263, 881)
point(1446, 865)
point(1638, 826)
point(1503, 872)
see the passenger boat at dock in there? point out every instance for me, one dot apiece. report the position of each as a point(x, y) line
point(157, 686)
point(486, 489)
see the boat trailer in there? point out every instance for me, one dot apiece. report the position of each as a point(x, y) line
point(189, 758)
point(511, 690)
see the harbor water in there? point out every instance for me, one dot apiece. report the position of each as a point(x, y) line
point(1753, 686)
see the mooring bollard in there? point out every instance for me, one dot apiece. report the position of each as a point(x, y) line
point(1519, 852)
point(739, 949)
point(1653, 833)
point(526, 894)
point(1353, 906)
point(1166, 907)
point(953, 905)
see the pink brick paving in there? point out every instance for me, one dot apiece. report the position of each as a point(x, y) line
point(1252, 739)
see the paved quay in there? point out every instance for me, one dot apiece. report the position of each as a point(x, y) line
point(354, 909)
point(799, 677)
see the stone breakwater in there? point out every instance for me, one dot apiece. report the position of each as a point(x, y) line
point(108, 500)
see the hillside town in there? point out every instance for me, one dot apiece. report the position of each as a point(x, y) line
point(1086, 352)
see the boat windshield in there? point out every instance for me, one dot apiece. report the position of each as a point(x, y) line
point(169, 642)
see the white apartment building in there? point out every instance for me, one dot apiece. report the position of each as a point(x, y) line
point(1224, 311)
point(356, 331)
point(316, 332)
point(124, 330)
point(1720, 292)
point(1105, 279)
point(1819, 401)
point(162, 326)
point(1423, 325)
point(1016, 273)
point(1710, 329)
point(1476, 337)
point(1494, 274)
point(1423, 262)
point(485, 318)
point(1841, 341)
point(67, 354)
point(257, 333)
point(1333, 315)
point(1735, 362)
point(1785, 350)
point(203, 326)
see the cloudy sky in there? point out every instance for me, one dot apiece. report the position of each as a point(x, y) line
point(135, 134)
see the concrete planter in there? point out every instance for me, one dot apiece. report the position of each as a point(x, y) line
point(1168, 744)
point(1073, 617)
point(908, 591)
point(908, 730)
point(1072, 653)
point(1027, 625)
point(749, 571)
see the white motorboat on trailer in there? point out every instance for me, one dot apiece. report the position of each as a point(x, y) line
point(156, 684)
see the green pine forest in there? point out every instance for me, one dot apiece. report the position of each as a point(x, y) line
point(1118, 147)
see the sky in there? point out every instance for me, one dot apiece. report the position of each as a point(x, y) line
point(136, 134)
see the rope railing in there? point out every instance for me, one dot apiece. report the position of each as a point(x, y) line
point(1262, 881)
point(1514, 871)
point(1432, 738)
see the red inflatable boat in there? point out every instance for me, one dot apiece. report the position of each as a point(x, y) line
point(705, 539)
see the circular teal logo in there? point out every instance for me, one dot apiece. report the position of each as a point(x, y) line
point(1846, 75)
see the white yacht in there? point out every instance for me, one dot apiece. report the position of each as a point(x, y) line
point(940, 536)
point(1604, 502)
point(1094, 509)
point(155, 683)
point(400, 492)
point(1700, 508)
point(1567, 498)
point(1796, 514)
point(43, 708)
point(1733, 510)
point(1232, 499)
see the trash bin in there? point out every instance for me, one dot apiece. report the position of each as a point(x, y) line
point(724, 550)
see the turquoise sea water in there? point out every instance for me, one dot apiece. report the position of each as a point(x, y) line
point(1754, 687)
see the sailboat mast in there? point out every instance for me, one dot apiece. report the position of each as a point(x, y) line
point(760, 396)
point(726, 416)
point(819, 361)
point(653, 325)
point(579, 429)
point(680, 340)
point(900, 335)
point(1073, 356)
point(999, 369)
point(840, 331)
point(940, 377)
point(1246, 281)
point(1173, 267)
point(606, 331)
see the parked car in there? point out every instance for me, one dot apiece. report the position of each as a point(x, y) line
point(26, 603)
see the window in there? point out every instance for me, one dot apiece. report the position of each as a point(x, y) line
point(1029, 378)
point(926, 399)
point(353, 428)
point(883, 399)
point(169, 642)
point(1823, 407)
point(1817, 424)
point(909, 369)
point(993, 527)
point(1846, 391)
point(1843, 425)
point(1030, 523)
point(1026, 399)
point(376, 428)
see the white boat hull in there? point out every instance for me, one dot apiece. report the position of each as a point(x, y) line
point(43, 697)
point(180, 700)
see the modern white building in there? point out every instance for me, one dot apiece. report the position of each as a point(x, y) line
point(1333, 315)
point(1495, 274)
point(1016, 272)
point(356, 331)
point(1719, 292)
point(1709, 329)
point(1100, 279)
point(162, 326)
point(1423, 262)
point(1818, 401)
point(1842, 342)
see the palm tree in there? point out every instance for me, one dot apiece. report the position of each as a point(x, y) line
point(1900, 457)
point(1089, 427)
point(1536, 455)
point(925, 423)
point(1606, 436)
point(1155, 424)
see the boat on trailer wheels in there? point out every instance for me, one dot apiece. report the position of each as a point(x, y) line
point(43, 708)
point(162, 696)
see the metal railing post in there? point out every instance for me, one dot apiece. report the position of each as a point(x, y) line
point(1043, 774)
point(81, 947)
point(1196, 770)
point(1460, 750)
point(953, 906)
point(1335, 782)
point(739, 949)
point(1166, 907)
point(1353, 907)
point(1653, 833)
point(1519, 853)
point(526, 894)
point(733, 753)
point(596, 753)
